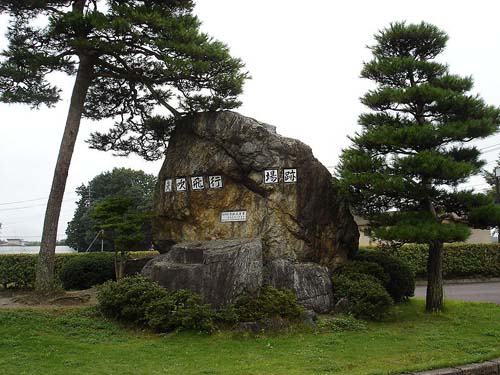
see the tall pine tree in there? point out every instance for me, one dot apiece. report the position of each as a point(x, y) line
point(412, 152)
point(128, 58)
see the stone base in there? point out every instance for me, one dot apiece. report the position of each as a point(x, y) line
point(222, 270)
point(219, 270)
point(310, 282)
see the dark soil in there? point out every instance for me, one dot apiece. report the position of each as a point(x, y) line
point(16, 299)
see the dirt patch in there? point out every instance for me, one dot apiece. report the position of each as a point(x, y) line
point(10, 299)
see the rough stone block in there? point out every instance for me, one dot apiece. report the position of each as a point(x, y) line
point(219, 271)
point(309, 281)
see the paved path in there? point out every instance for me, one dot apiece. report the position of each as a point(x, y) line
point(483, 292)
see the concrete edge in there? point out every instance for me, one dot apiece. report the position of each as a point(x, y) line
point(462, 281)
point(491, 367)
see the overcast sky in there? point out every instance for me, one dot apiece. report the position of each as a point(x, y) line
point(304, 58)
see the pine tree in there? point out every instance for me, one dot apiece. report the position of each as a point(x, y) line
point(129, 57)
point(412, 152)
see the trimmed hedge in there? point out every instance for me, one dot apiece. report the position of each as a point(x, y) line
point(460, 260)
point(18, 270)
point(85, 272)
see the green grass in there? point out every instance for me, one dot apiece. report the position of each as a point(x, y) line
point(80, 342)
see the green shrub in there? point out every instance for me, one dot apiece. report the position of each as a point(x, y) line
point(367, 298)
point(269, 303)
point(129, 298)
point(139, 300)
point(401, 283)
point(86, 271)
point(181, 310)
point(17, 271)
point(227, 315)
point(368, 268)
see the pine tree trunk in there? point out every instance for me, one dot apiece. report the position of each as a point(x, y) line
point(434, 297)
point(46, 257)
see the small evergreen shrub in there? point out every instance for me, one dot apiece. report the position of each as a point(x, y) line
point(129, 298)
point(367, 298)
point(227, 315)
point(368, 268)
point(401, 283)
point(83, 272)
point(269, 303)
point(181, 310)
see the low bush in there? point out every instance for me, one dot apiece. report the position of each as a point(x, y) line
point(366, 297)
point(139, 300)
point(460, 260)
point(83, 272)
point(129, 298)
point(269, 303)
point(181, 310)
point(401, 284)
point(368, 268)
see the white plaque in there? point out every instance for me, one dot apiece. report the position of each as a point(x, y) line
point(290, 175)
point(180, 184)
point(233, 216)
point(197, 183)
point(497, 172)
point(215, 182)
point(168, 185)
point(271, 176)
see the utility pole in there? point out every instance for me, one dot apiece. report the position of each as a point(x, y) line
point(102, 240)
point(497, 196)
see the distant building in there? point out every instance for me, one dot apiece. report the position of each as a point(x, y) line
point(14, 242)
point(477, 235)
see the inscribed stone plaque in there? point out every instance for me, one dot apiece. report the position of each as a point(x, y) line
point(233, 216)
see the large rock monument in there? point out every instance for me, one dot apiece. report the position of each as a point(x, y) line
point(230, 177)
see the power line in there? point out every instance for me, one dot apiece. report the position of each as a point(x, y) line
point(30, 218)
point(21, 236)
point(491, 150)
point(490, 146)
point(34, 205)
point(32, 200)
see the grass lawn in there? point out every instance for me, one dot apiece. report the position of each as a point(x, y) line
point(78, 342)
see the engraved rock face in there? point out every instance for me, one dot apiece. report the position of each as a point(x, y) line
point(287, 195)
